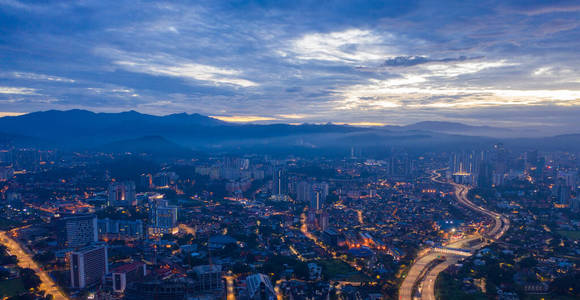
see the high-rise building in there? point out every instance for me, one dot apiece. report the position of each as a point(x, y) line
point(164, 179)
point(78, 230)
point(88, 266)
point(146, 181)
point(323, 222)
point(575, 204)
point(122, 194)
point(531, 158)
point(316, 199)
point(163, 218)
point(500, 158)
point(279, 182)
point(236, 163)
point(562, 193)
point(6, 156)
point(303, 192)
point(569, 179)
point(6, 172)
point(324, 188)
point(120, 229)
point(312, 193)
point(497, 179)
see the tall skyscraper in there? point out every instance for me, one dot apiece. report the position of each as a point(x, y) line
point(279, 182)
point(88, 266)
point(323, 222)
point(122, 194)
point(78, 230)
point(500, 158)
point(562, 192)
point(569, 179)
point(303, 192)
point(324, 188)
point(316, 200)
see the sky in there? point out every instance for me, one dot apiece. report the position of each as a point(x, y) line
point(498, 63)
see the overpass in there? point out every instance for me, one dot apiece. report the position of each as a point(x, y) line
point(456, 251)
point(416, 276)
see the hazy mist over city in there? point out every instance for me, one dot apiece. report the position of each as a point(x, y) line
point(257, 149)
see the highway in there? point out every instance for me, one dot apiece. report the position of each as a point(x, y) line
point(25, 261)
point(423, 274)
point(407, 288)
point(428, 283)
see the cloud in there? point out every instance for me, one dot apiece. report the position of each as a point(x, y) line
point(545, 7)
point(292, 116)
point(378, 97)
point(349, 46)
point(243, 119)
point(35, 76)
point(163, 64)
point(113, 91)
point(369, 61)
point(10, 114)
point(363, 124)
point(188, 70)
point(408, 61)
point(17, 91)
point(457, 69)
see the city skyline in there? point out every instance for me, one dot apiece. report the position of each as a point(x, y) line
point(289, 150)
point(504, 63)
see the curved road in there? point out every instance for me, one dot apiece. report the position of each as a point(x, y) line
point(422, 276)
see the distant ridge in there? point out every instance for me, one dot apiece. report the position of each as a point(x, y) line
point(77, 120)
point(86, 117)
point(83, 123)
point(132, 131)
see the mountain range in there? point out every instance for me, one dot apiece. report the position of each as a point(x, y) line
point(178, 133)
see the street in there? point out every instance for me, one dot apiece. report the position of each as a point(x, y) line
point(25, 261)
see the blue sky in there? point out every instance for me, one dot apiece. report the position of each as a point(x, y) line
point(504, 63)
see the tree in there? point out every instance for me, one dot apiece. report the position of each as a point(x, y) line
point(8, 260)
point(29, 279)
point(301, 271)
